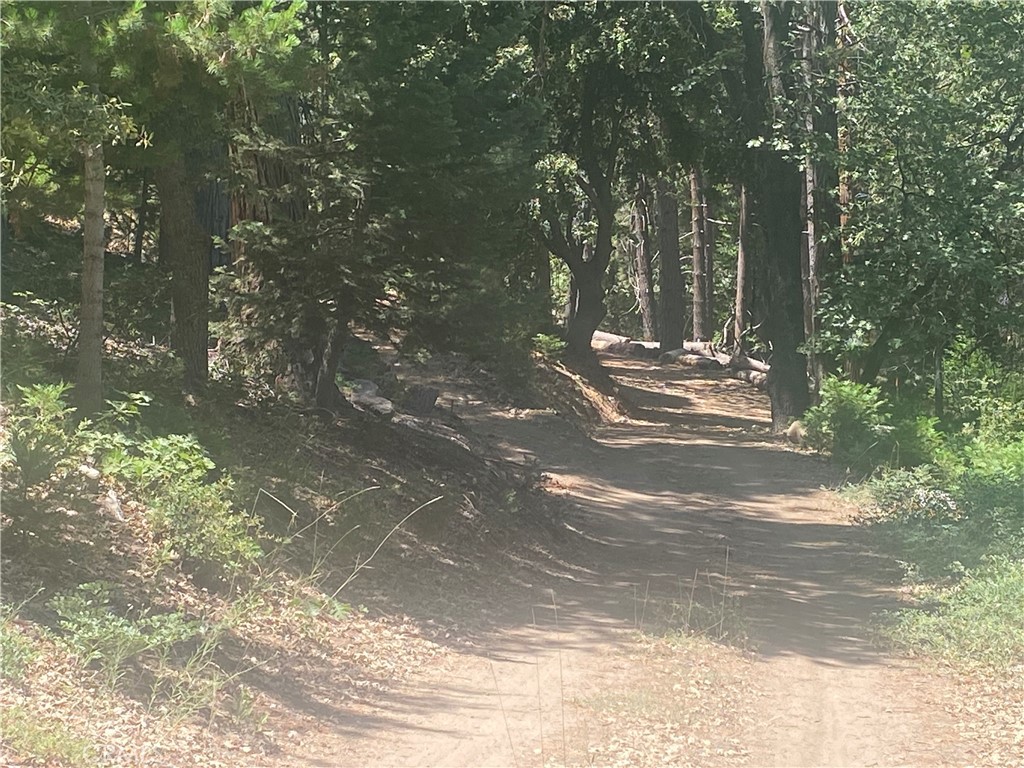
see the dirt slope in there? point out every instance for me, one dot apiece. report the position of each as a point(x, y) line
point(691, 514)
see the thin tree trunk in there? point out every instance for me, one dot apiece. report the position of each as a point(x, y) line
point(703, 235)
point(710, 237)
point(542, 290)
point(89, 376)
point(89, 381)
point(741, 303)
point(188, 249)
point(332, 344)
point(847, 85)
point(642, 258)
point(672, 320)
point(820, 179)
point(702, 330)
point(141, 219)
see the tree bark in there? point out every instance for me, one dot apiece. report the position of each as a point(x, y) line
point(590, 311)
point(742, 299)
point(89, 374)
point(821, 181)
point(571, 301)
point(188, 250)
point(89, 380)
point(703, 324)
point(845, 137)
point(141, 220)
point(672, 320)
point(775, 207)
point(332, 344)
point(642, 258)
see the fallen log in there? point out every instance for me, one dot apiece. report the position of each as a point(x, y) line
point(742, 362)
point(704, 349)
point(698, 361)
point(757, 378)
point(602, 340)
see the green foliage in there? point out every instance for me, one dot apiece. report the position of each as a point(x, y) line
point(42, 435)
point(983, 397)
point(96, 633)
point(37, 738)
point(958, 525)
point(16, 650)
point(978, 622)
point(934, 243)
point(914, 439)
point(548, 345)
point(193, 516)
point(849, 423)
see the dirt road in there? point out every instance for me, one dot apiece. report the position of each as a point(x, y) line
point(692, 516)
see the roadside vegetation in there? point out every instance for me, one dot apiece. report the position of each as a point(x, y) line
point(945, 496)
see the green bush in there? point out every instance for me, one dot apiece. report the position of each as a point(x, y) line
point(850, 423)
point(549, 345)
point(194, 516)
point(96, 633)
point(981, 395)
point(913, 440)
point(42, 434)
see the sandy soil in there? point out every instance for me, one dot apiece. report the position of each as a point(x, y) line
point(691, 514)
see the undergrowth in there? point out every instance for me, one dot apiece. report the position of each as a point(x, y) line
point(947, 501)
point(978, 622)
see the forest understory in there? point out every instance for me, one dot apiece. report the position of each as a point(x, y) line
point(512, 383)
point(646, 578)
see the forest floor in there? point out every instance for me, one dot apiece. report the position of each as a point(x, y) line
point(716, 611)
point(671, 587)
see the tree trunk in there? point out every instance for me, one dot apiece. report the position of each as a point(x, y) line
point(672, 321)
point(642, 257)
point(141, 220)
point(590, 311)
point(845, 137)
point(703, 324)
point(89, 380)
point(188, 250)
point(89, 376)
point(331, 346)
point(742, 300)
point(776, 202)
point(776, 215)
point(571, 301)
point(542, 290)
point(820, 178)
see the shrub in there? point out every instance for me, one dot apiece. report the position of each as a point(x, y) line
point(913, 440)
point(96, 633)
point(849, 423)
point(42, 434)
point(195, 517)
point(549, 345)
